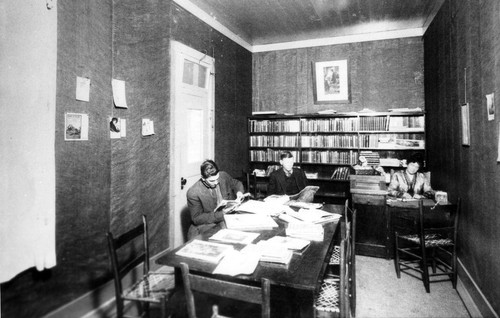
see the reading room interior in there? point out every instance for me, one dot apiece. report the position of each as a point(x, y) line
point(229, 158)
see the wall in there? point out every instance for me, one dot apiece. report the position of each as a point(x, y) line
point(383, 74)
point(462, 63)
point(104, 184)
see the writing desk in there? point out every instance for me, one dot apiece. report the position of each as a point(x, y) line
point(303, 274)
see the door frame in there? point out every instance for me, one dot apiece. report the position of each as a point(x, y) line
point(175, 234)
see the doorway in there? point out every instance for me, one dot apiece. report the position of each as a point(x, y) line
point(191, 127)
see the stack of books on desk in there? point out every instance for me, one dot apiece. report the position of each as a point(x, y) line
point(272, 252)
point(292, 243)
point(205, 251)
point(249, 222)
point(307, 231)
point(314, 216)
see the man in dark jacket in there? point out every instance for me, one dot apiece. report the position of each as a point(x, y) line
point(287, 180)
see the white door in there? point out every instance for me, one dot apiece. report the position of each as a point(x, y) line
point(192, 127)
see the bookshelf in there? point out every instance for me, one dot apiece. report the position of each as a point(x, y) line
point(327, 146)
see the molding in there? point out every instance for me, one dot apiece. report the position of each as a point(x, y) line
point(211, 21)
point(100, 302)
point(365, 37)
point(473, 298)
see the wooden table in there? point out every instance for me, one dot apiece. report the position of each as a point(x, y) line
point(302, 275)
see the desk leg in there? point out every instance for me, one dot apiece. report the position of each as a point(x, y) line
point(303, 304)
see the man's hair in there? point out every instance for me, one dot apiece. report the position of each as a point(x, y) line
point(286, 154)
point(208, 168)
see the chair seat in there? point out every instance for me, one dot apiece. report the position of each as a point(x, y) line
point(335, 258)
point(431, 240)
point(151, 288)
point(328, 296)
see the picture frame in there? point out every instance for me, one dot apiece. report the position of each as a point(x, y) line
point(76, 127)
point(465, 125)
point(331, 82)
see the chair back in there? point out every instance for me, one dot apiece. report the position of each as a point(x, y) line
point(440, 220)
point(248, 293)
point(126, 252)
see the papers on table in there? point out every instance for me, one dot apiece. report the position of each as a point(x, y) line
point(234, 236)
point(274, 252)
point(241, 262)
point(292, 243)
point(206, 251)
point(304, 230)
point(260, 207)
point(249, 222)
point(314, 215)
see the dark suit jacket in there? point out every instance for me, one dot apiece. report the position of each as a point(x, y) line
point(277, 181)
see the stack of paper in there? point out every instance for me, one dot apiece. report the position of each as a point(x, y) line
point(241, 262)
point(307, 231)
point(274, 252)
point(206, 251)
point(260, 207)
point(292, 243)
point(234, 236)
point(249, 222)
point(314, 216)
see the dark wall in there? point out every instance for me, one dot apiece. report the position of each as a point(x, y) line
point(462, 64)
point(383, 74)
point(105, 184)
point(233, 87)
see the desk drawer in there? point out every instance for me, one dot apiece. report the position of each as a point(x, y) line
point(368, 199)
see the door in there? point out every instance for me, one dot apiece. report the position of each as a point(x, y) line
point(192, 128)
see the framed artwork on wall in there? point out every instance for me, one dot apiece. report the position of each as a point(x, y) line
point(465, 125)
point(331, 82)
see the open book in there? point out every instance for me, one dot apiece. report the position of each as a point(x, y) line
point(206, 251)
point(227, 206)
point(303, 199)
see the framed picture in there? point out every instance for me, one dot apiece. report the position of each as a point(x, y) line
point(465, 125)
point(76, 127)
point(331, 82)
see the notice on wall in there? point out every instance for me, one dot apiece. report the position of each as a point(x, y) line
point(117, 127)
point(119, 95)
point(82, 88)
point(490, 106)
point(147, 127)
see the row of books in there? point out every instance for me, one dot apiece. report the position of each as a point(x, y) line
point(330, 156)
point(391, 140)
point(274, 141)
point(332, 141)
point(292, 125)
point(269, 155)
point(347, 124)
point(341, 173)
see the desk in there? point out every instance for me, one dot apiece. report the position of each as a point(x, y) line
point(303, 273)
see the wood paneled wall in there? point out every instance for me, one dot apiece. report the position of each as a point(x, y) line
point(105, 184)
point(383, 74)
point(462, 64)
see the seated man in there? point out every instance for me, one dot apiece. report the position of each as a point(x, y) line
point(410, 183)
point(204, 196)
point(287, 180)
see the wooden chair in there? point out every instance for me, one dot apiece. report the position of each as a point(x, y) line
point(248, 293)
point(126, 253)
point(425, 236)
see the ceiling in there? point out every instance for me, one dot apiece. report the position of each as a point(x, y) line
point(261, 25)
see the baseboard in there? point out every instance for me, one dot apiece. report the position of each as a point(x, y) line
point(474, 300)
point(100, 302)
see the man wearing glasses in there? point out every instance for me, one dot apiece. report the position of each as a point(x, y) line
point(206, 194)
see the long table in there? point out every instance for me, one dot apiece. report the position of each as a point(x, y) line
point(302, 275)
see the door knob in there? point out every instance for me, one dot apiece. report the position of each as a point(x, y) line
point(183, 183)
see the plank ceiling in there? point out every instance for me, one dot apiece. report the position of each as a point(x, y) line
point(265, 22)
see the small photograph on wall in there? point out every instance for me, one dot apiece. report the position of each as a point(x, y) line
point(490, 106)
point(465, 125)
point(76, 127)
point(331, 82)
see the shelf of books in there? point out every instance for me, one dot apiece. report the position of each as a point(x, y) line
point(327, 146)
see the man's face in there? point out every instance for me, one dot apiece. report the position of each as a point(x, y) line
point(287, 163)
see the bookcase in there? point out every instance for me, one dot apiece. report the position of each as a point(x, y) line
point(327, 146)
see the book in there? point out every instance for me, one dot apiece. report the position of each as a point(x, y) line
point(274, 252)
point(307, 231)
point(227, 206)
point(242, 262)
point(260, 207)
point(306, 194)
point(248, 222)
point(314, 215)
point(205, 251)
point(234, 236)
point(292, 243)
point(264, 112)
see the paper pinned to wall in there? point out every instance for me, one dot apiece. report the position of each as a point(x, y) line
point(119, 96)
point(83, 88)
point(147, 127)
